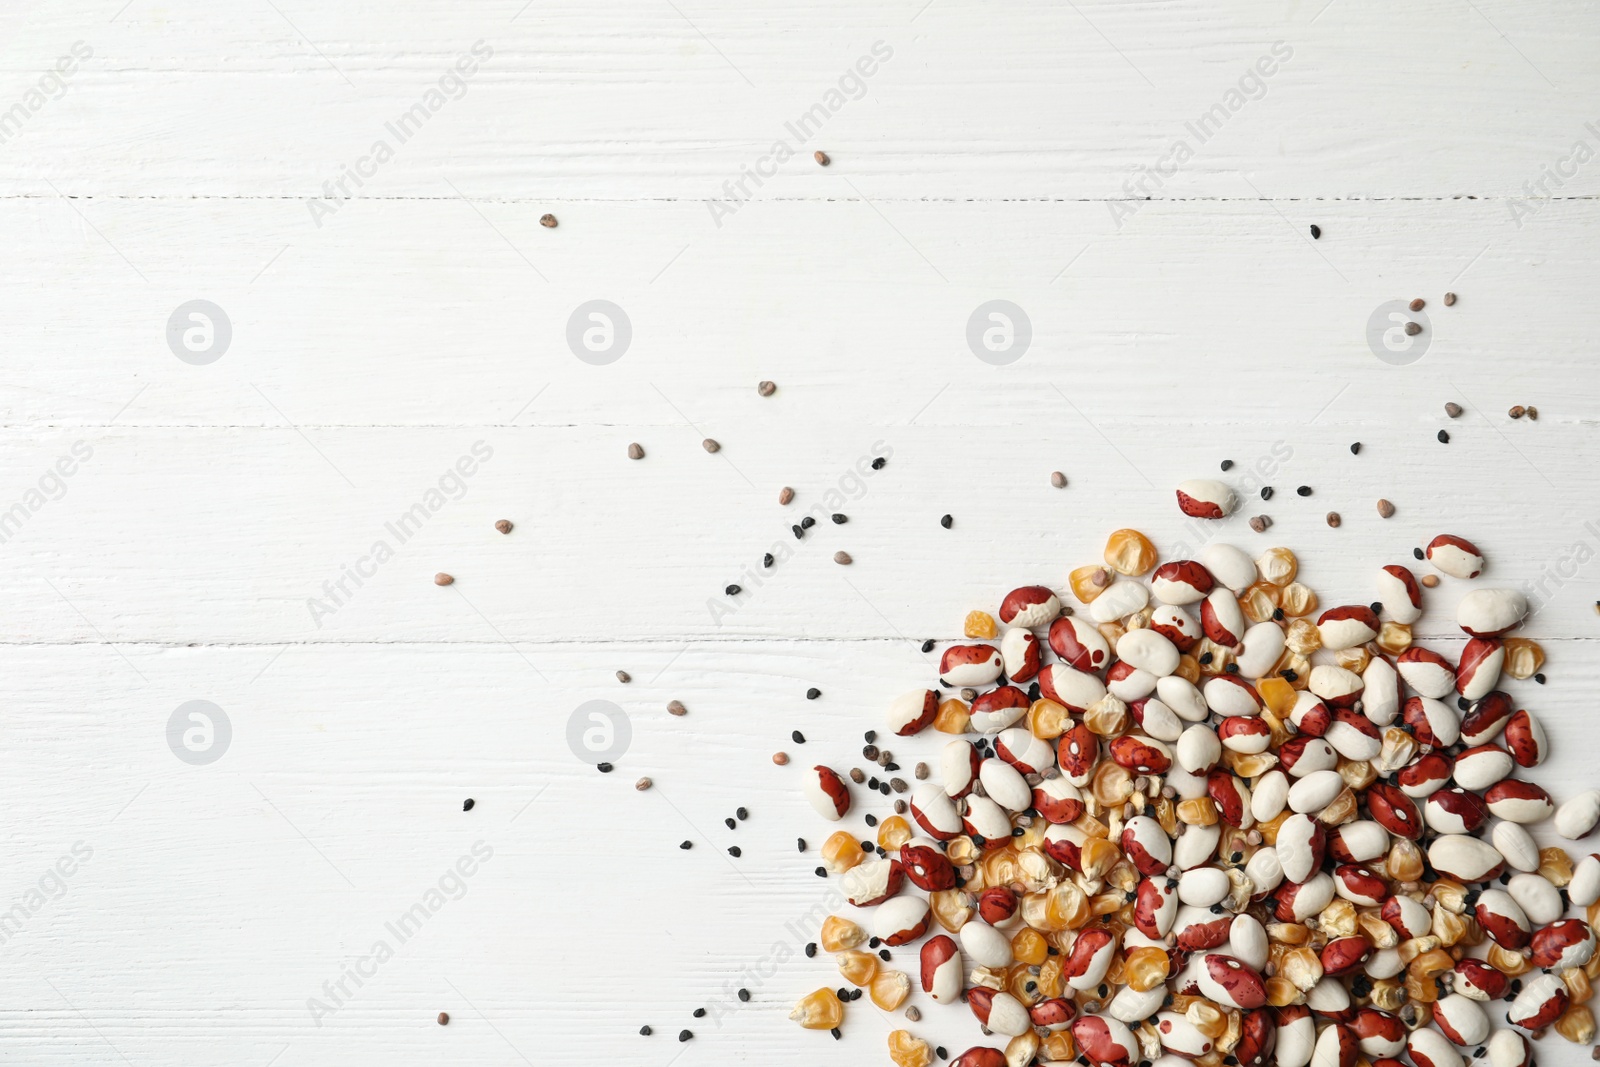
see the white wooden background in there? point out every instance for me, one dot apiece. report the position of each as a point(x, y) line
point(428, 313)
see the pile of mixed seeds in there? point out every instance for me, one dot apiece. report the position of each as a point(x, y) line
point(1208, 821)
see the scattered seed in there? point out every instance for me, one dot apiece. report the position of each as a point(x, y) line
point(780, 758)
point(821, 157)
point(444, 1020)
point(807, 522)
point(767, 388)
point(1227, 464)
point(969, 695)
point(927, 646)
point(1413, 328)
point(1533, 413)
point(1417, 553)
point(646, 1031)
point(913, 1015)
point(899, 785)
point(699, 1013)
point(636, 451)
point(710, 445)
point(687, 845)
point(811, 949)
point(879, 463)
point(799, 532)
point(1430, 580)
point(946, 521)
point(1333, 519)
point(468, 804)
point(744, 995)
point(741, 813)
point(1355, 448)
point(548, 221)
point(899, 807)
point(1058, 479)
point(785, 495)
point(1304, 490)
point(842, 558)
point(813, 693)
point(1517, 411)
point(921, 772)
point(1316, 232)
point(732, 590)
point(443, 579)
point(642, 784)
point(839, 518)
point(1266, 492)
point(604, 768)
point(675, 707)
point(767, 561)
point(1260, 523)
point(684, 1035)
point(735, 851)
point(797, 737)
point(1417, 304)
point(1452, 408)
point(857, 775)
point(1444, 438)
point(624, 677)
point(503, 525)
point(1449, 300)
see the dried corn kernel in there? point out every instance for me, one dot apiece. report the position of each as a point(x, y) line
point(1129, 552)
point(953, 717)
point(818, 1010)
point(894, 832)
point(1047, 720)
point(1579, 988)
point(1277, 694)
point(1277, 565)
point(1353, 659)
point(1297, 600)
point(841, 851)
point(1112, 632)
point(840, 934)
point(1145, 968)
point(857, 967)
point(1404, 862)
point(1088, 582)
point(980, 624)
point(1107, 716)
point(1394, 638)
point(1576, 1024)
point(890, 989)
point(1188, 668)
point(1022, 1049)
point(908, 1051)
point(1555, 866)
point(1507, 962)
point(1199, 811)
point(1524, 658)
point(1111, 784)
point(1303, 637)
point(951, 908)
point(1302, 966)
point(1259, 602)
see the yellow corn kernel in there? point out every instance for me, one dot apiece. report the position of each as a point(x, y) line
point(1269, 829)
point(1281, 992)
point(1404, 862)
point(1511, 964)
point(1051, 983)
point(1303, 637)
point(1277, 565)
point(857, 967)
point(1579, 988)
point(1088, 582)
point(961, 850)
point(1353, 659)
point(908, 1051)
point(1146, 968)
point(1059, 1047)
point(1129, 552)
point(1302, 966)
point(894, 832)
point(818, 1010)
point(1066, 907)
point(1555, 866)
point(1278, 695)
point(1111, 784)
point(1259, 602)
point(1297, 600)
point(1207, 1018)
point(1342, 810)
point(1188, 668)
point(980, 624)
point(1022, 1049)
point(951, 908)
point(841, 851)
point(953, 716)
point(1523, 657)
point(1106, 717)
point(1248, 764)
point(1020, 984)
point(890, 989)
point(1387, 994)
point(1047, 720)
point(1197, 811)
point(1030, 947)
point(1394, 638)
point(1576, 1024)
point(840, 934)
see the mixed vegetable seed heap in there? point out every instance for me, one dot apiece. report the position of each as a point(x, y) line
point(1201, 819)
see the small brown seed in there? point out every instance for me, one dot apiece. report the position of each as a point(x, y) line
point(921, 771)
point(1333, 519)
point(857, 775)
point(913, 1015)
point(780, 758)
point(842, 558)
point(444, 1018)
point(624, 677)
point(1260, 523)
point(899, 807)
point(899, 785)
point(636, 451)
point(821, 157)
point(642, 784)
point(1533, 413)
point(676, 707)
point(1517, 411)
point(785, 495)
point(443, 579)
point(503, 525)
point(1449, 300)
point(1452, 408)
point(1430, 580)
point(969, 695)
point(548, 221)
point(710, 445)
point(1413, 328)
point(1385, 509)
point(1058, 479)
point(1417, 304)
point(767, 388)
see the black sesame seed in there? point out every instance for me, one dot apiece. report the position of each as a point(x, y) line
point(1232, 668)
point(842, 994)
point(878, 464)
point(1444, 438)
point(800, 844)
point(742, 813)
point(927, 646)
point(1316, 232)
point(798, 532)
point(1539, 678)
point(699, 1013)
point(1289, 674)
point(645, 1031)
point(839, 518)
point(821, 872)
point(946, 521)
point(1266, 492)
point(1355, 448)
point(807, 522)
point(1227, 464)
point(1277, 614)
point(732, 590)
point(836, 1034)
point(468, 804)
point(811, 949)
point(729, 823)
point(1462, 703)
point(873, 942)
point(1304, 490)
point(744, 995)
point(1205, 657)
point(734, 851)
point(883, 787)
point(872, 783)
point(891, 766)
point(941, 1053)
point(870, 736)
point(1376, 606)
point(603, 768)
point(872, 820)
point(1417, 553)
point(766, 560)
point(684, 1035)
point(687, 845)
point(813, 693)
point(883, 954)
point(867, 846)
point(797, 737)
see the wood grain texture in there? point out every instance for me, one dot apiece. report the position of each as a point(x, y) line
point(202, 544)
